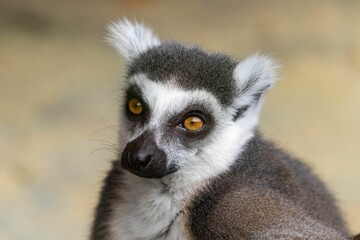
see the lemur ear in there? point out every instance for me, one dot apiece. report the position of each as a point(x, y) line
point(131, 39)
point(254, 76)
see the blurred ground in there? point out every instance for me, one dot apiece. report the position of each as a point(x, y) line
point(58, 82)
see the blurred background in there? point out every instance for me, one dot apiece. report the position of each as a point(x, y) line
point(59, 99)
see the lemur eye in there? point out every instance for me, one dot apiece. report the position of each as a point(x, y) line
point(193, 123)
point(135, 106)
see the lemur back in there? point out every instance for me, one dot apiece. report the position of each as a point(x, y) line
point(191, 164)
point(266, 187)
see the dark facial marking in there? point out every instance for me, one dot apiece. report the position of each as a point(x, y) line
point(143, 158)
point(192, 68)
point(189, 138)
point(135, 92)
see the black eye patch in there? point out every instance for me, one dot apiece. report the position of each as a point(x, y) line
point(135, 92)
point(176, 123)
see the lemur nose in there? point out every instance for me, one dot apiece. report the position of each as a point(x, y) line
point(140, 158)
point(143, 158)
point(142, 155)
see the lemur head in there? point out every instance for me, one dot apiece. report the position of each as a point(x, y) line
point(187, 112)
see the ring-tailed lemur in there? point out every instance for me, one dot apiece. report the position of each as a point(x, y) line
point(191, 164)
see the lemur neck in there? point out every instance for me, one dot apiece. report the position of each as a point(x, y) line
point(173, 184)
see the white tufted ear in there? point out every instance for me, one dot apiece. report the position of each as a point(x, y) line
point(131, 39)
point(254, 76)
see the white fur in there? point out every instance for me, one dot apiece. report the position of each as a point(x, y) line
point(131, 39)
point(256, 67)
point(145, 209)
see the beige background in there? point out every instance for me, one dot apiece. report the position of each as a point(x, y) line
point(59, 104)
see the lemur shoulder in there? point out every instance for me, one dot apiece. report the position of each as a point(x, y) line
point(191, 164)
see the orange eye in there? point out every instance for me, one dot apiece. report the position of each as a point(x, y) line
point(193, 123)
point(135, 106)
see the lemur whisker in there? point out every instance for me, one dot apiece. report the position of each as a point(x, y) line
point(106, 123)
point(102, 149)
point(104, 128)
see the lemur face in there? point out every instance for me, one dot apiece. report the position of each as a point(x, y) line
point(184, 107)
point(168, 127)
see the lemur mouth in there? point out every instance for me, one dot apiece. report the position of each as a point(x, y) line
point(149, 173)
point(144, 174)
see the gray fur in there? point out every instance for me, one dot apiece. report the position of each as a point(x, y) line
point(229, 183)
point(266, 195)
point(191, 66)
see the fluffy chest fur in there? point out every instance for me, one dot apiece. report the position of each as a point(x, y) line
point(149, 210)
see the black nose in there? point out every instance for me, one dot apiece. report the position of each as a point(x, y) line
point(142, 157)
